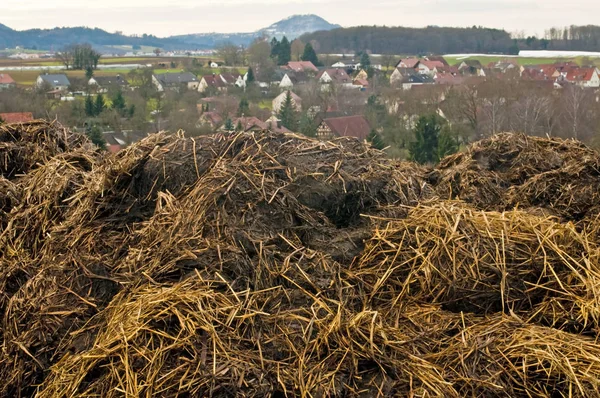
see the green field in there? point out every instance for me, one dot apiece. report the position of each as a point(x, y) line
point(521, 60)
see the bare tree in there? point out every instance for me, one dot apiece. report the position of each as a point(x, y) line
point(297, 49)
point(575, 107)
point(66, 56)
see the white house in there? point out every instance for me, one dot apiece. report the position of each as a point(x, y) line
point(280, 100)
point(214, 65)
point(57, 82)
point(286, 82)
point(338, 65)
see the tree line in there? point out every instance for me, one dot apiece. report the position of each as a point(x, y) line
point(444, 40)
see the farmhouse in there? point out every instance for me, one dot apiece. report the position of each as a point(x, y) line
point(6, 82)
point(211, 82)
point(175, 81)
point(104, 83)
point(346, 126)
point(55, 82)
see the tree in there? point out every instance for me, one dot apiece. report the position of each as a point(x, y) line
point(447, 143)
point(275, 47)
point(90, 110)
point(375, 140)
point(250, 78)
point(228, 125)
point(365, 61)
point(1, 120)
point(89, 73)
point(429, 131)
point(287, 113)
point(307, 125)
point(297, 50)
point(65, 56)
point(310, 55)
point(284, 53)
point(244, 108)
point(118, 104)
point(95, 135)
point(231, 54)
point(100, 105)
point(239, 126)
point(157, 51)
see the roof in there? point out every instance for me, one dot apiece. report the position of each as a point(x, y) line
point(349, 126)
point(301, 66)
point(212, 117)
point(170, 79)
point(337, 75)
point(6, 79)
point(409, 62)
point(105, 81)
point(437, 58)
point(580, 74)
point(450, 70)
point(473, 63)
point(249, 122)
point(449, 79)
point(213, 80)
point(56, 80)
point(361, 82)
point(294, 96)
point(21, 117)
point(230, 78)
point(432, 64)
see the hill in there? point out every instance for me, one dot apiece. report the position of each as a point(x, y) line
point(292, 27)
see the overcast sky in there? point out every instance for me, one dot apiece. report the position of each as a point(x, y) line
point(196, 16)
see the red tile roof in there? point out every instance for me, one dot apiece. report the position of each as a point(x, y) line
point(337, 75)
point(22, 117)
point(301, 66)
point(6, 79)
point(433, 64)
point(580, 74)
point(249, 122)
point(214, 80)
point(361, 82)
point(408, 62)
point(349, 126)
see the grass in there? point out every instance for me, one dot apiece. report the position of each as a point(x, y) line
point(521, 60)
point(266, 104)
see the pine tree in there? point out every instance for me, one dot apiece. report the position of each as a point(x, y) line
point(1, 120)
point(228, 125)
point(287, 114)
point(275, 47)
point(95, 135)
point(90, 110)
point(310, 55)
point(100, 105)
point(239, 126)
point(365, 61)
point(118, 103)
point(375, 140)
point(307, 126)
point(244, 108)
point(284, 52)
point(433, 140)
point(250, 78)
point(89, 72)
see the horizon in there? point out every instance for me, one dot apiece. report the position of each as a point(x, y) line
point(245, 16)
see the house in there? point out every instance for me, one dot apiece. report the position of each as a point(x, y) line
point(231, 79)
point(362, 84)
point(211, 82)
point(22, 117)
point(175, 81)
point(213, 64)
point(280, 100)
point(6, 82)
point(211, 119)
point(583, 77)
point(115, 141)
point(56, 82)
point(273, 124)
point(410, 63)
point(399, 74)
point(437, 58)
point(363, 75)
point(346, 126)
point(248, 123)
point(429, 67)
point(286, 82)
point(339, 65)
point(448, 79)
point(301, 66)
point(334, 76)
point(472, 67)
point(416, 80)
point(103, 83)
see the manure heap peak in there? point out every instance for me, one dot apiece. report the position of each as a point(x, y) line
point(263, 264)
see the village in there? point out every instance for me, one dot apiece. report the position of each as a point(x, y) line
point(378, 99)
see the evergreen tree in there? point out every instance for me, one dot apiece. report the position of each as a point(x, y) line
point(95, 135)
point(1, 120)
point(447, 144)
point(284, 52)
point(433, 140)
point(307, 126)
point(250, 78)
point(239, 126)
point(89, 73)
point(100, 105)
point(228, 125)
point(244, 108)
point(365, 61)
point(375, 140)
point(287, 114)
point(118, 103)
point(90, 110)
point(310, 55)
point(275, 47)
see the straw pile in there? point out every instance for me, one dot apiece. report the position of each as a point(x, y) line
point(269, 264)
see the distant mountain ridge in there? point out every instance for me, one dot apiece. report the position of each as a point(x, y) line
point(53, 39)
point(291, 27)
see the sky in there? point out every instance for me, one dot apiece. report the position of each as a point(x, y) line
point(165, 18)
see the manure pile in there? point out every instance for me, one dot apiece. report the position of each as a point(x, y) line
point(253, 265)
